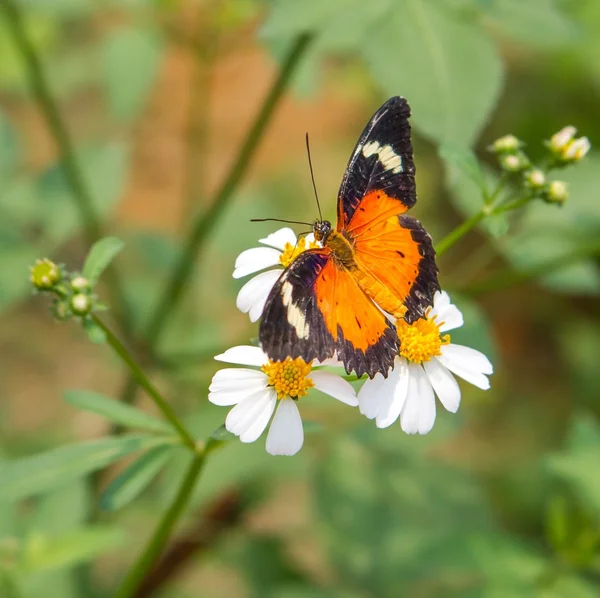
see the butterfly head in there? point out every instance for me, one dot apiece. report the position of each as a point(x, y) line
point(321, 230)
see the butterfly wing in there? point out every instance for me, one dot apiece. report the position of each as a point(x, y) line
point(381, 161)
point(316, 310)
point(394, 253)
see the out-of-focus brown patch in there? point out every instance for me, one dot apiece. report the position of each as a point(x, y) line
point(155, 197)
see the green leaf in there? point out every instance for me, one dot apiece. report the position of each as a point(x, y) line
point(575, 463)
point(130, 59)
point(28, 476)
point(100, 256)
point(447, 67)
point(462, 162)
point(135, 479)
point(42, 553)
point(547, 233)
point(116, 411)
point(535, 22)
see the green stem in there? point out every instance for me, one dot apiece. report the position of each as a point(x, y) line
point(204, 223)
point(138, 572)
point(460, 231)
point(73, 174)
point(141, 378)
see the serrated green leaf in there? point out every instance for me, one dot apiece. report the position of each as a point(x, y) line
point(100, 256)
point(94, 332)
point(28, 476)
point(43, 553)
point(116, 411)
point(135, 479)
point(447, 67)
point(130, 59)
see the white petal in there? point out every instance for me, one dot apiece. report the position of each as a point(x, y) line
point(253, 295)
point(444, 384)
point(235, 378)
point(234, 391)
point(466, 369)
point(310, 238)
point(389, 414)
point(255, 259)
point(244, 414)
point(244, 355)
point(418, 413)
point(262, 418)
point(279, 238)
point(476, 359)
point(441, 300)
point(286, 434)
point(450, 318)
point(335, 387)
point(369, 396)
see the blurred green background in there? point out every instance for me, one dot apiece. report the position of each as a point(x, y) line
point(500, 500)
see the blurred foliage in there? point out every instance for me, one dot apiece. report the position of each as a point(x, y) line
point(499, 500)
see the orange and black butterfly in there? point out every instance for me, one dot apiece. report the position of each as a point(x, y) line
point(325, 303)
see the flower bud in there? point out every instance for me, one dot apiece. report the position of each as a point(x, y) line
point(514, 162)
point(506, 144)
point(560, 140)
point(557, 192)
point(535, 178)
point(81, 304)
point(577, 149)
point(80, 284)
point(45, 274)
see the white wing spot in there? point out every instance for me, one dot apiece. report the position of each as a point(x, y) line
point(389, 159)
point(295, 317)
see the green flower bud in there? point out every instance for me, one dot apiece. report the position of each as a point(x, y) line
point(557, 192)
point(80, 284)
point(535, 179)
point(45, 274)
point(506, 144)
point(81, 304)
point(514, 162)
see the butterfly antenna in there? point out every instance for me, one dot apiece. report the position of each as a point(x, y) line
point(279, 220)
point(312, 176)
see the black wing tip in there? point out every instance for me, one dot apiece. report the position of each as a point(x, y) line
point(397, 103)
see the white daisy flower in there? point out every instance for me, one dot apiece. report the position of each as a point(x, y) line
point(425, 364)
point(282, 248)
point(273, 387)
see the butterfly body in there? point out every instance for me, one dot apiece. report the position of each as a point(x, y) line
point(329, 300)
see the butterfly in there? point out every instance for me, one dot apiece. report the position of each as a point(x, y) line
point(328, 302)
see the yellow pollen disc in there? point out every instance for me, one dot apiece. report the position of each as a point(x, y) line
point(289, 378)
point(421, 340)
point(291, 252)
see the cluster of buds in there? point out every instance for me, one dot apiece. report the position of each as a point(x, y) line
point(73, 293)
point(510, 154)
point(564, 149)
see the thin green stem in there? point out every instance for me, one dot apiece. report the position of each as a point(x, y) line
point(460, 231)
point(205, 222)
point(73, 174)
point(139, 375)
point(138, 572)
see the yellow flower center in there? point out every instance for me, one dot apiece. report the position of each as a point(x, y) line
point(291, 252)
point(421, 340)
point(289, 378)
